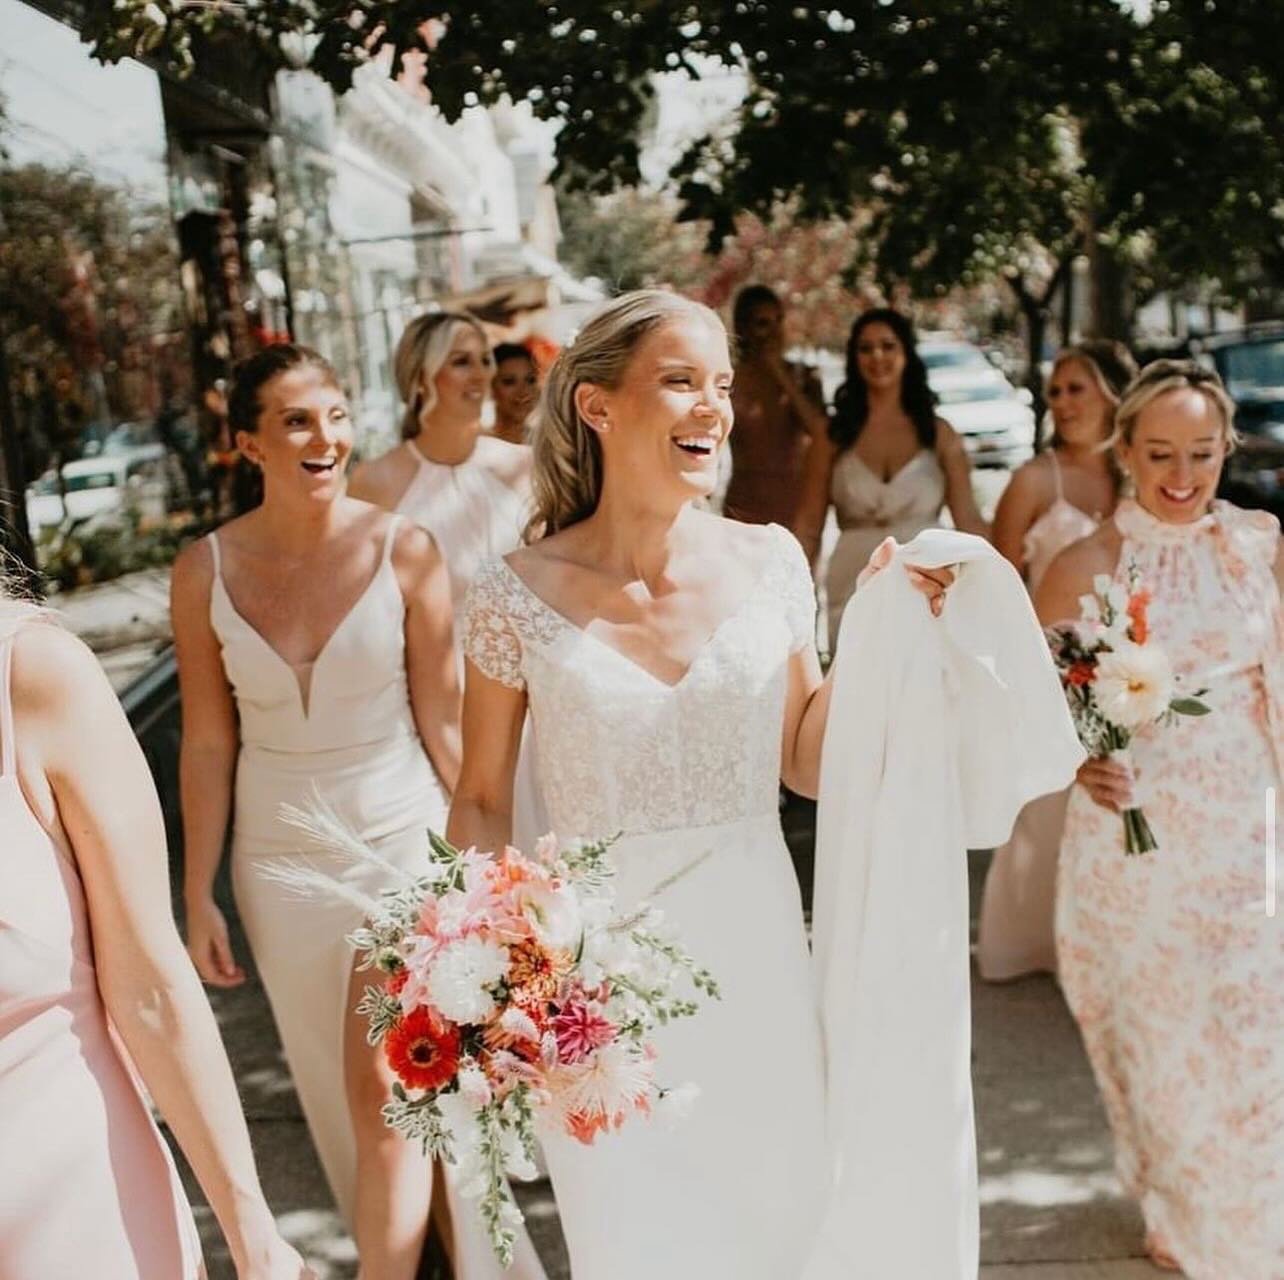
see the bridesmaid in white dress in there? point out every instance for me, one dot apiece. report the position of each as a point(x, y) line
point(315, 655)
point(889, 464)
point(667, 659)
point(469, 489)
point(1053, 500)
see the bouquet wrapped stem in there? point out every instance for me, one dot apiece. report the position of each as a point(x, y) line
point(1138, 836)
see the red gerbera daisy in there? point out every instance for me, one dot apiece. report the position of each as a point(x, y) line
point(423, 1050)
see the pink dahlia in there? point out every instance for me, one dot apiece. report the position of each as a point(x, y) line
point(580, 1031)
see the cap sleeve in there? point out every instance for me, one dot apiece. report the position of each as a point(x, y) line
point(797, 591)
point(491, 640)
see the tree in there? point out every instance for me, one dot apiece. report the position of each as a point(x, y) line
point(984, 137)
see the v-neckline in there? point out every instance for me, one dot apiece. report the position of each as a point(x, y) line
point(896, 475)
point(701, 649)
point(305, 703)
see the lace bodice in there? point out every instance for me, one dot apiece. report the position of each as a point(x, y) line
point(619, 749)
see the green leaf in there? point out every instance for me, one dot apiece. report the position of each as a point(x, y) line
point(1189, 707)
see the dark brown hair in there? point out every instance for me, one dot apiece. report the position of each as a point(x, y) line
point(253, 374)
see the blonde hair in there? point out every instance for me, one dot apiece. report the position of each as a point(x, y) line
point(567, 477)
point(1162, 376)
point(1111, 367)
point(422, 351)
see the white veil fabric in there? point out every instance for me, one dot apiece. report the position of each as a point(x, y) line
point(939, 731)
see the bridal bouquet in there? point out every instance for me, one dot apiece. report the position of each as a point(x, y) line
point(512, 989)
point(1117, 681)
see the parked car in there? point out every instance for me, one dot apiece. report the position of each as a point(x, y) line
point(977, 400)
point(105, 482)
point(1251, 364)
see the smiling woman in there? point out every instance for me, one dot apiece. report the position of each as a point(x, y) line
point(315, 655)
point(467, 488)
point(1165, 958)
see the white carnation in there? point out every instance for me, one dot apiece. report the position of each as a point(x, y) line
point(460, 976)
point(1134, 685)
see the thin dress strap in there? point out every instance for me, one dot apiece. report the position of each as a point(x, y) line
point(390, 537)
point(8, 752)
point(1056, 473)
point(218, 560)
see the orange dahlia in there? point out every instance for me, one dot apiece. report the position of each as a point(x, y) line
point(535, 973)
point(423, 1050)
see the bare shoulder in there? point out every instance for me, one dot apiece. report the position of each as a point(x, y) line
point(1033, 480)
point(413, 549)
point(192, 574)
point(1071, 573)
point(382, 480)
point(55, 676)
point(949, 444)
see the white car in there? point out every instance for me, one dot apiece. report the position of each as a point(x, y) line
point(977, 400)
point(94, 485)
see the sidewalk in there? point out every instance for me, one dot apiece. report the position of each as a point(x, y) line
point(124, 621)
point(1051, 1208)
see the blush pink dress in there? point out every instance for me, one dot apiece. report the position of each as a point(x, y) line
point(1015, 932)
point(1173, 961)
point(87, 1185)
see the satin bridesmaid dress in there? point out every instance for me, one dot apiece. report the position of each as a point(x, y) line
point(87, 1185)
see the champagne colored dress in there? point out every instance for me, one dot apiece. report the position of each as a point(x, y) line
point(87, 1185)
point(342, 729)
point(870, 509)
point(1173, 961)
point(1015, 931)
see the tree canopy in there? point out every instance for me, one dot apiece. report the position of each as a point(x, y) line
point(976, 138)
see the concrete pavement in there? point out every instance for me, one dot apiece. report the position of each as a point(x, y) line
point(1051, 1206)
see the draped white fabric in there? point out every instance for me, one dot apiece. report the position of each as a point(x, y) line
point(939, 731)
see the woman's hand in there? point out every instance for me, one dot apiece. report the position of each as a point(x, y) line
point(933, 583)
point(1109, 783)
point(210, 946)
point(276, 1260)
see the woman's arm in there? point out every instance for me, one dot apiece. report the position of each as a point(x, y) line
point(806, 713)
point(807, 697)
point(98, 785)
point(481, 812)
point(431, 670)
point(1019, 507)
point(206, 762)
point(813, 505)
point(958, 481)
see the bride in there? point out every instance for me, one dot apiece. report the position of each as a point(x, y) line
point(667, 660)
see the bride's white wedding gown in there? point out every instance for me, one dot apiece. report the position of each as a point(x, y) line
point(687, 771)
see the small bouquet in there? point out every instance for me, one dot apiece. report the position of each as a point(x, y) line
point(1118, 681)
point(512, 990)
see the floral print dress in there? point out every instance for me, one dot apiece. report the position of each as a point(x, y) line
point(1173, 962)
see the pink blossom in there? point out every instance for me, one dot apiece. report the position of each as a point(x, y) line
point(579, 1031)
